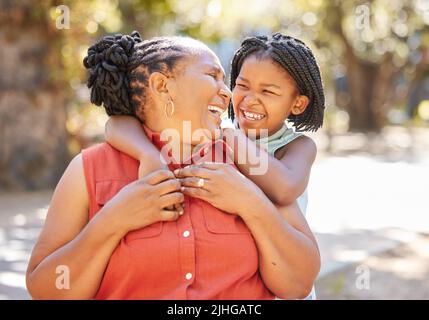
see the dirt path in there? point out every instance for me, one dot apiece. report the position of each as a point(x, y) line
point(401, 273)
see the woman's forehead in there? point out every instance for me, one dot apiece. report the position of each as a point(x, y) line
point(208, 59)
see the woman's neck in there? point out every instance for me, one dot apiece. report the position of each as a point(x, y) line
point(174, 140)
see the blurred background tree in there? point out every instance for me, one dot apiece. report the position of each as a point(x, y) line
point(33, 137)
point(373, 57)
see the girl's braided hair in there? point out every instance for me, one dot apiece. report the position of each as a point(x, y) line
point(298, 60)
point(120, 66)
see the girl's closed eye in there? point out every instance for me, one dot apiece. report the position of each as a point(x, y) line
point(269, 92)
point(241, 85)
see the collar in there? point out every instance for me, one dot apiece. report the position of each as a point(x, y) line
point(211, 151)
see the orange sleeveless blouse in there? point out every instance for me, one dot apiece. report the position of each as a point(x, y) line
point(205, 254)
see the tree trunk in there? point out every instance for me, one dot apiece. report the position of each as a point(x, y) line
point(33, 137)
point(370, 87)
point(370, 84)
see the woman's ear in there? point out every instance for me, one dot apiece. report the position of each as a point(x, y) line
point(301, 103)
point(158, 85)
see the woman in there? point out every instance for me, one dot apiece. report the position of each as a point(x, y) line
point(120, 239)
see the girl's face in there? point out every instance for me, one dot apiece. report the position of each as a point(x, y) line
point(200, 94)
point(264, 95)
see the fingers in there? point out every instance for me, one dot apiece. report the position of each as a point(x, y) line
point(196, 193)
point(158, 176)
point(167, 215)
point(212, 165)
point(194, 182)
point(167, 186)
point(171, 199)
point(193, 171)
point(179, 207)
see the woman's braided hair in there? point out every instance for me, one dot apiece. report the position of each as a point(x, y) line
point(120, 66)
point(298, 60)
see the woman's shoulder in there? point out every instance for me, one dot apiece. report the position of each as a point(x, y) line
point(97, 149)
point(104, 162)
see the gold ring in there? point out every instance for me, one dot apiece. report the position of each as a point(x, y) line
point(200, 182)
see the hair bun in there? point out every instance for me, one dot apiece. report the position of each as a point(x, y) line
point(107, 61)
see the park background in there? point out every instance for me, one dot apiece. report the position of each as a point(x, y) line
point(368, 192)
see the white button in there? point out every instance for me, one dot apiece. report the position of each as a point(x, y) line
point(206, 150)
point(186, 234)
point(188, 276)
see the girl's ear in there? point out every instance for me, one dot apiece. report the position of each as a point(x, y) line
point(301, 103)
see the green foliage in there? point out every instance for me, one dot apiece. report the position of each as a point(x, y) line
point(371, 30)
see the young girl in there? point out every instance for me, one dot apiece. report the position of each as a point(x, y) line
point(273, 80)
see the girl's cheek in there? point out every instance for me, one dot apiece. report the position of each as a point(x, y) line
point(236, 97)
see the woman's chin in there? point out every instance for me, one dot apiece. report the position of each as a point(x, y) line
point(212, 129)
point(213, 134)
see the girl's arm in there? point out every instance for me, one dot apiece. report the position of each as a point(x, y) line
point(285, 178)
point(126, 134)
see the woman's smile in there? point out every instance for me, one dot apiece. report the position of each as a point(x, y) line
point(216, 111)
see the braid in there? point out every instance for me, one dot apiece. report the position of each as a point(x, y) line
point(120, 66)
point(298, 60)
point(107, 61)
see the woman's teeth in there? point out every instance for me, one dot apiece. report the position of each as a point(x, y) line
point(253, 116)
point(215, 109)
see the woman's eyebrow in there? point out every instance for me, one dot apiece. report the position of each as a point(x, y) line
point(218, 71)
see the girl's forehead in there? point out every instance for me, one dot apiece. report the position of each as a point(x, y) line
point(265, 67)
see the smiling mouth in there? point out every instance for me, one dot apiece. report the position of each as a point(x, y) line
point(252, 116)
point(216, 110)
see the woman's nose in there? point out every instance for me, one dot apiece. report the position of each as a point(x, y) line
point(225, 93)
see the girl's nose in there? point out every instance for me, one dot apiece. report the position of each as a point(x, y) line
point(250, 99)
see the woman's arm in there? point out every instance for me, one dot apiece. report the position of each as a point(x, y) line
point(125, 133)
point(285, 178)
point(67, 239)
point(289, 256)
point(69, 242)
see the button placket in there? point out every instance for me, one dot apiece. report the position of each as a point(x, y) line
point(187, 243)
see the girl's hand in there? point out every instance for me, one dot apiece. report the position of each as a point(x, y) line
point(220, 184)
point(145, 201)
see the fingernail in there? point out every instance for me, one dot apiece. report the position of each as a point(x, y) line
point(176, 171)
point(182, 188)
point(180, 213)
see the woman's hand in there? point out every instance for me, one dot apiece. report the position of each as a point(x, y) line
point(149, 165)
point(145, 201)
point(220, 184)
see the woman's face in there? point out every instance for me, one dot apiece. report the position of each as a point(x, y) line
point(200, 95)
point(263, 96)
